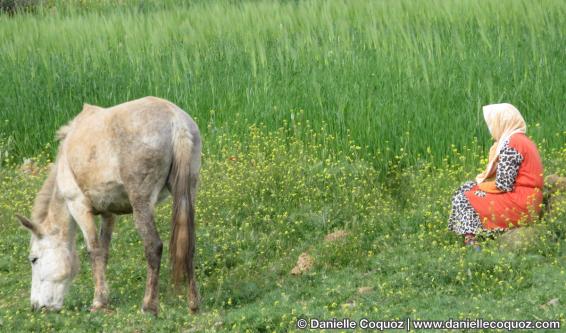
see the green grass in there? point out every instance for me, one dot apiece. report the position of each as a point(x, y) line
point(391, 74)
point(264, 203)
point(317, 116)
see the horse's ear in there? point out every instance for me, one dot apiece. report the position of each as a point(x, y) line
point(29, 225)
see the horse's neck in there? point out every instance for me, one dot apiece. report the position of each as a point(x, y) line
point(50, 209)
point(60, 219)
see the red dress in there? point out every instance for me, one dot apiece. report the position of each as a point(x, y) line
point(520, 176)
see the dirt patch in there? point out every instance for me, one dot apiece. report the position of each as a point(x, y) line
point(365, 290)
point(304, 264)
point(339, 234)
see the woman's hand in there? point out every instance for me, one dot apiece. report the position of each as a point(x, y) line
point(489, 187)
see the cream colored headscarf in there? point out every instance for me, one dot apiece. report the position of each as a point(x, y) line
point(503, 120)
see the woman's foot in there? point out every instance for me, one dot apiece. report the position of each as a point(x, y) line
point(470, 240)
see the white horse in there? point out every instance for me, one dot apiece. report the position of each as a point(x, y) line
point(117, 160)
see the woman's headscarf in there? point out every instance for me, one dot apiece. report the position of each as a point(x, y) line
point(503, 120)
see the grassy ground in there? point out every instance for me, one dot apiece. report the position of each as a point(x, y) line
point(263, 204)
point(392, 74)
point(317, 116)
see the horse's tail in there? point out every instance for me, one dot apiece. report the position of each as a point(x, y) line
point(182, 180)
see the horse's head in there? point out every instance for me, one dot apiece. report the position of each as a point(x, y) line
point(54, 264)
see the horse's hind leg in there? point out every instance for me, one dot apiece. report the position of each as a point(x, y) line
point(143, 219)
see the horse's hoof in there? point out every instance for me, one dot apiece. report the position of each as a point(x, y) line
point(194, 301)
point(97, 308)
point(150, 310)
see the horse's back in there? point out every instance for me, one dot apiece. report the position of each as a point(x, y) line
point(124, 152)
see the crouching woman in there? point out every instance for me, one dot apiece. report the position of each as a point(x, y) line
point(509, 191)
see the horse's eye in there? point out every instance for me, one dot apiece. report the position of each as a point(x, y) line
point(33, 260)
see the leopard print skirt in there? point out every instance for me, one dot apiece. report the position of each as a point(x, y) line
point(464, 219)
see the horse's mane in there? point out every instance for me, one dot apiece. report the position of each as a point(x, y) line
point(41, 203)
point(63, 131)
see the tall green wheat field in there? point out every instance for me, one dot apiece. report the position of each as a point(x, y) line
point(351, 116)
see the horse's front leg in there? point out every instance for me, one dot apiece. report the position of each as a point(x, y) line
point(105, 236)
point(143, 219)
point(106, 228)
point(82, 214)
